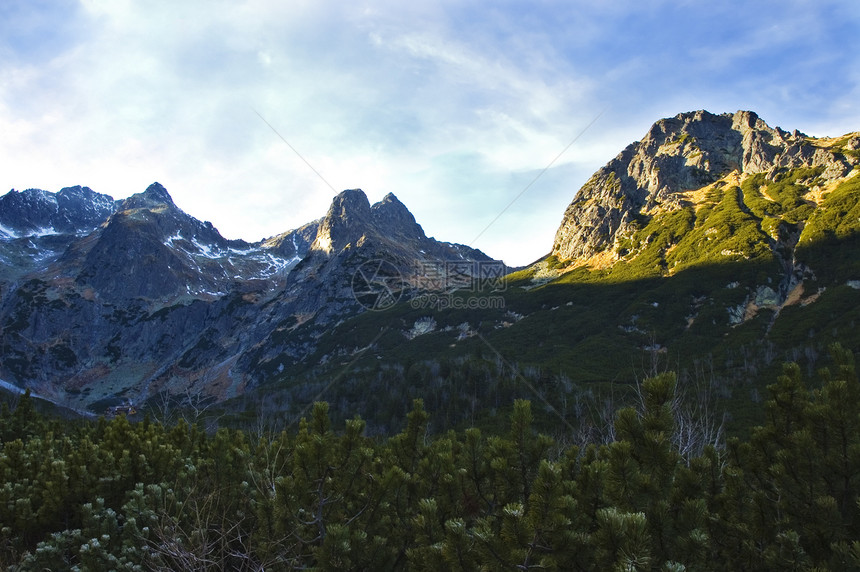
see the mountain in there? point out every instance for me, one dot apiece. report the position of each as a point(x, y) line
point(363, 257)
point(684, 154)
point(716, 246)
point(107, 300)
point(354, 233)
point(37, 226)
point(36, 213)
point(703, 189)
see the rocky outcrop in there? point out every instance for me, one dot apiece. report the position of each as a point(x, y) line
point(73, 210)
point(136, 296)
point(293, 244)
point(680, 154)
point(353, 233)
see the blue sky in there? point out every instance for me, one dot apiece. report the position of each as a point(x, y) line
point(455, 107)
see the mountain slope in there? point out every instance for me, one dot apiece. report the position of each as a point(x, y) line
point(137, 297)
point(681, 155)
point(716, 246)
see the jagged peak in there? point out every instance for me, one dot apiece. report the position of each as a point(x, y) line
point(702, 120)
point(677, 156)
point(389, 198)
point(351, 216)
point(346, 219)
point(31, 194)
point(76, 190)
point(394, 218)
point(391, 204)
point(157, 192)
point(154, 195)
point(350, 202)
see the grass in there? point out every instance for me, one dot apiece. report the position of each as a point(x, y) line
point(782, 198)
point(838, 217)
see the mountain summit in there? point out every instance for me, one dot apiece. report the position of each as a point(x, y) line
point(36, 213)
point(682, 154)
point(155, 195)
point(354, 233)
point(103, 300)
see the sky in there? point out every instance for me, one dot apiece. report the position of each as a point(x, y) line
point(483, 118)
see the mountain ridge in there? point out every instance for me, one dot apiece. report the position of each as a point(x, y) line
point(717, 273)
point(711, 229)
point(684, 153)
point(141, 297)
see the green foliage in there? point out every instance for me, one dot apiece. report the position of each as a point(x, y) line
point(837, 221)
point(553, 263)
point(733, 224)
point(725, 233)
point(783, 197)
point(649, 245)
point(122, 496)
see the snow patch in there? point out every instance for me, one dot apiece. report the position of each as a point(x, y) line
point(7, 233)
point(206, 250)
point(422, 326)
point(44, 231)
point(15, 389)
point(170, 240)
point(10, 387)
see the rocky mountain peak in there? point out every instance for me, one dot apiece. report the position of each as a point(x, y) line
point(350, 205)
point(394, 218)
point(351, 218)
point(154, 196)
point(677, 155)
point(390, 198)
point(78, 192)
point(24, 212)
point(73, 210)
point(346, 221)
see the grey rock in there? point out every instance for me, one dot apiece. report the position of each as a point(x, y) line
point(678, 154)
point(73, 210)
point(136, 297)
point(766, 296)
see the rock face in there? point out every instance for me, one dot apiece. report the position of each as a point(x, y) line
point(354, 241)
point(354, 233)
point(681, 154)
point(35, 212)
point(104, 300)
